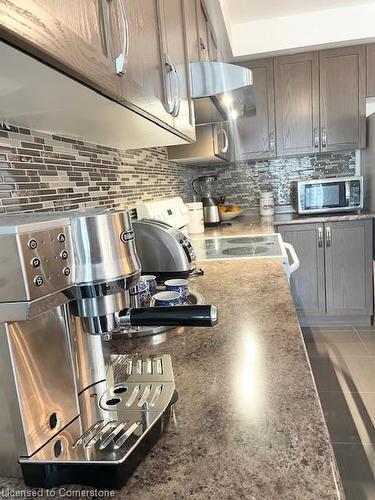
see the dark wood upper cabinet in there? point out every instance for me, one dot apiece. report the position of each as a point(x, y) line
point(212, 44)
point(297, 104)
point(142, 84)
point(68, 34)
point(116, 47)
point(342, 98)
point(255, 136)
point(176, 69)
point(191, 28)
point(203, 32)
point(371, 70)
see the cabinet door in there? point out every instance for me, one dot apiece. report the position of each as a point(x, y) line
point(307, 283)
point(342, 98)
point(371, 70)
point(68, 34)
point(212, 44)
point(142, 84)
point(176, 69)
point(191, 28)
point(297, 104)
point(348, 250)
point(255, 135)
point(204, 54)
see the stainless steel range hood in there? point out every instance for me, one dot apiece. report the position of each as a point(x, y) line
point(219, 90)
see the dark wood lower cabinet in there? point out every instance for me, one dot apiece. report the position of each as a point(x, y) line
point(348, 257)
point(334, 283)
point(307, 283)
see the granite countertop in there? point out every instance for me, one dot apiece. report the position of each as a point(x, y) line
point(248, 420)
point(252, 223)
point(249, 423)
point(294, 218)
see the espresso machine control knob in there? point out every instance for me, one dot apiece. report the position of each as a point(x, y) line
point(35, 262)
point(38, 280)
point(66, 271)
point(64, 255)
point(32, 244)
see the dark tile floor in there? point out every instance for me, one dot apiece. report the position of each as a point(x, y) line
point(343, 363)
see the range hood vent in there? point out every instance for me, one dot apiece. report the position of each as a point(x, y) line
point(219, 90)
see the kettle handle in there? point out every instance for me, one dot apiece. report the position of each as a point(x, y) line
point(195, 190)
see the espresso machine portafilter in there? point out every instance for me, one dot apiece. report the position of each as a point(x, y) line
point(103, 274)
point(69, 413)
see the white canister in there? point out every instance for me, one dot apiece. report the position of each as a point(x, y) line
point(196, 223)
point(266, 203)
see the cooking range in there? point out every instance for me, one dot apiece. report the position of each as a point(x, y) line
point(218, 248)
point(246, 247)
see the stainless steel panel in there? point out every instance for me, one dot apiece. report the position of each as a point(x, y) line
point(20, 265)
point(211, 214)
point(89, 364)
point(162, 248)
point(211, 78)
point(110, 433)
point(41, 364)
point(104, 248)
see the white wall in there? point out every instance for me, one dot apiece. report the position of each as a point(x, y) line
point(343, 25)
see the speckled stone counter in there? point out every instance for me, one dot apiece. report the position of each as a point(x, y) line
point(293, 218)
point(251, 222)
point(248, 420)
point(249, 423)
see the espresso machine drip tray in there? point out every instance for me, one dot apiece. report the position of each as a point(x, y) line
point(123, 417)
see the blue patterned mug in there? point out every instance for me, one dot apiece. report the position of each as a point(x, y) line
point(140, 294)
point(166, 299)
point(151, 280)
point(178, 285)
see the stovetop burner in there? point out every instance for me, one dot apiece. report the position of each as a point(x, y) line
point(244, 251)
point(241, 247)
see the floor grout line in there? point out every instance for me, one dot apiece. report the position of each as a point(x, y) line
point(363, 342)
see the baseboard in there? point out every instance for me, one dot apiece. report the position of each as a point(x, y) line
point(335, 320)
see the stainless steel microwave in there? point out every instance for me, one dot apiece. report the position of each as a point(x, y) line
point(340, 194)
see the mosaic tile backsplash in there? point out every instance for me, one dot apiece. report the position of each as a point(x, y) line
point(40, 171)
point(241, 182)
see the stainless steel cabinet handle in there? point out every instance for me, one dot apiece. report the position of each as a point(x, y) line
point(328, 236)
point(169, 83)
point(226, 141)
point(316, 138)
point(324, 137)
point(272, 142)
point(320, 237)
point(177, 95)
point(121, 60)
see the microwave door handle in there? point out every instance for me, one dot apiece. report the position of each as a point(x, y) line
point(347, 193)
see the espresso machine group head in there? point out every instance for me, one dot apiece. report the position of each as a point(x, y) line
point(70, 413)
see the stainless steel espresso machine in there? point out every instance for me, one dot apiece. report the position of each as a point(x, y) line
point(70, 414)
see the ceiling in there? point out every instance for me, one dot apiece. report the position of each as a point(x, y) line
point(242, 11)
